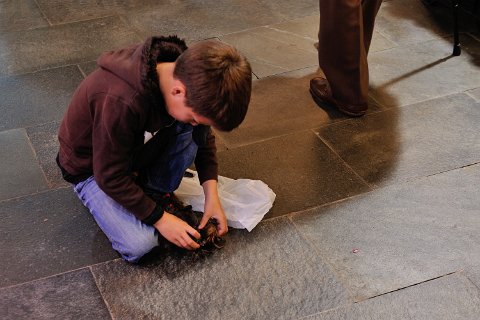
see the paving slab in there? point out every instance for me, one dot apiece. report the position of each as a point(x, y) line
point(273, 54)
point(46, 234)
point(408, 21)
point(44, 140)
point(291, 10)
point(409, 142)
point(20, 172)
point(195, 20)
point(67, 11)
point(449, 297)
point(306, 27)
point(475, 93)
point(419, 72)
point(36, 98)
point(269, 273)
point(400, 235)
point(298, 167)
point(473, 273)
point(280, 105)
point(72, 295)
point(20, 15)
point(43, 48)
point(88, 67)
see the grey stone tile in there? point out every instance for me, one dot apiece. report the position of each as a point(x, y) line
point(26, 51)
point(65, 11)
point(46, 234)
point(269, 47)
point(36, 98)
point(409, 142)
point(408, 21)
point(71, 295)
point(20, 173)
point(306, 27)
point(196, 20)
point(288, 38)
point(88, 67)
point(299, 168)
point(282, 104)
point(473, 273)
point(450, 297)
point(475, 93)
point(404, 234)
point(45, 142)
point(380, 43)
point(414, 73)
point(20, 15)
point(291, 10)
point(269, 273)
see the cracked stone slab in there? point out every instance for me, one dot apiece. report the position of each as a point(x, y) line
point(282, 104)
point(305, 27)
point(414, 73)
point(405, 143)
point(475, 93)
point(43, 48)
point(197, 21)
point(88, 67)
point(449, 297)
point(473, 273)
point(298, 167)
point(399, 235)
point(20, 15)
point(408, 21)
point(20, 172)
point(46, 234)
point(272, 51)
point(44, 140)
point(37, 98)
point(72, 295)
point(269, 273)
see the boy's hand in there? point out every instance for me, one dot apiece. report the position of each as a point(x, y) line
point(213, 208)
point(177, 231)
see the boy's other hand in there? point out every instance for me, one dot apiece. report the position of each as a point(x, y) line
point(213, 208)
point(177, 231)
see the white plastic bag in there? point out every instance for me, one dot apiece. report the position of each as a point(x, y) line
point(245, 201)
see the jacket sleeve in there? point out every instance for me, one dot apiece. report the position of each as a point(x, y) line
point(206, 161)
point(115, 128)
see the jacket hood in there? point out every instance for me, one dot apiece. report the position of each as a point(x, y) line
point(136, 64)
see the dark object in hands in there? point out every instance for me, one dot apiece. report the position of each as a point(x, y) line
point(210, 240)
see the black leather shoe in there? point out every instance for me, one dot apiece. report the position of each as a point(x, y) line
point(322, 95)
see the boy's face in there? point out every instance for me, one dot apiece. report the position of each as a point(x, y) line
point(177, 108)
point(181, 112)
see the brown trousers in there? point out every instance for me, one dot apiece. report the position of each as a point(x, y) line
point(346, 28)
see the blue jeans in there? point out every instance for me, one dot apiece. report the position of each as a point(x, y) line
point(128, 235)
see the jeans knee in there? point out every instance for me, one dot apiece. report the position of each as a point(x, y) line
point(137, 248)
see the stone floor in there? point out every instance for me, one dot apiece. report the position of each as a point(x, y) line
point(375, 218)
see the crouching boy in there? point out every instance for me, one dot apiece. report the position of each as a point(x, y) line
point(138, 122)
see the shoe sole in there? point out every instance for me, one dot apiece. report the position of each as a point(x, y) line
point(324, 103)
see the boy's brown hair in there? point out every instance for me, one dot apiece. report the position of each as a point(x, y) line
point(218, 81)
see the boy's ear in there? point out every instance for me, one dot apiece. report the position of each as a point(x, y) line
point(178, 89)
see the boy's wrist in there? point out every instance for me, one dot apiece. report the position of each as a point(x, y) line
point(156, 215)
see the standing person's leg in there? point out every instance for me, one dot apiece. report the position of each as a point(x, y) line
point(341, 52)
point(342, 56)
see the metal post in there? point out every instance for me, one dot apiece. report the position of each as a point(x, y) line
point(456, 45)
